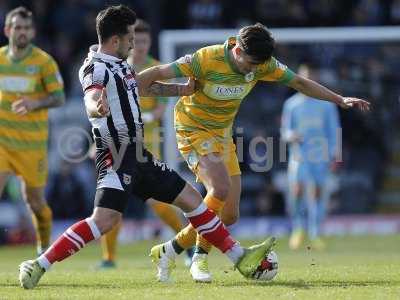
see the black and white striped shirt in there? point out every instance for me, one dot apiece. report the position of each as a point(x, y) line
point(124, 123)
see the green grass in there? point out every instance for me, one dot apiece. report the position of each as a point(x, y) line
point(351, 268)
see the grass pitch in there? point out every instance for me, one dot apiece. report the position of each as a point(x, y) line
point(351, 268)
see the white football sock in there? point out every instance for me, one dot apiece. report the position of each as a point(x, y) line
point(235, 253)
point(43, 262)
point(169, 250)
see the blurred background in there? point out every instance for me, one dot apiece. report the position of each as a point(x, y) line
point(364, 192)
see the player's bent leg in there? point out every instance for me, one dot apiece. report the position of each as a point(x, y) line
point(71, 241)
point(229, 215)
point(213, 173)
point(77, 236)
point(231, 212)
point(164, 255)
point(207, 224)
point(41, 215)
point(228, 210)
point(171, 217)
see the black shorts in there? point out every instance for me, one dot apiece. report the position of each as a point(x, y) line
point(139, 175)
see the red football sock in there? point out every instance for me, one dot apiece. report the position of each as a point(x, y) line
point(209, 226)
point(71, 241)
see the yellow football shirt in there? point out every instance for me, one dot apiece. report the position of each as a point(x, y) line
point(35, 76)
point(222, 88)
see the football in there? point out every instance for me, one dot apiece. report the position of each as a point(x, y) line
point(268, 268)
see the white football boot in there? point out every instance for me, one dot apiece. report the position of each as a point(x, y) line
point(164, 264)
point(199, 268)
point(30, 273)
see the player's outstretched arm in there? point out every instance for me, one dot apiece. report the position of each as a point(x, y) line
point(156, 73)
point(315, 90)
point(149, 85)
point(169, 89)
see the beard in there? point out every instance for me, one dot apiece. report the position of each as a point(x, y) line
point(22, 42)
point(123, 53)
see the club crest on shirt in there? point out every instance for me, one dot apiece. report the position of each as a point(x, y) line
point(32, 69)
point(129, 82)
point(249, 77)
point(127, 179)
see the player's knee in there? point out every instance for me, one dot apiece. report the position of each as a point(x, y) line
point(220, 189)
point(106, 225)
point(106, 222)
point(189, 199)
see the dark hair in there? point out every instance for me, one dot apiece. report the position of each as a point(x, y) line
point(142, 26)
point(21, 11)
point(256, 41)
point(114, 20)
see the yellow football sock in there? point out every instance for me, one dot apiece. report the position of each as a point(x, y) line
point(216, 205)
point(42, 222)
point(168, 214)
point(109, 243)
point(186, 238)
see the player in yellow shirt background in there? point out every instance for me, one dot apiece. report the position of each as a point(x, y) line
point(30, 83)
point(203, 122)
point(152, 112)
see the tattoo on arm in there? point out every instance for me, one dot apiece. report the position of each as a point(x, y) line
point(164, 89)
point(54, 100)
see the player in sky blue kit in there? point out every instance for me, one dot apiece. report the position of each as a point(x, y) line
point(311, 128)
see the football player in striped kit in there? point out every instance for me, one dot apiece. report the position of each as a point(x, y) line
point(226, 74)
point(152, 109)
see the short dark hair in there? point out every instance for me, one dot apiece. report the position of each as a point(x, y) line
point(256, 41)
point(21, 11)
point(114, 20)
point(142, 26)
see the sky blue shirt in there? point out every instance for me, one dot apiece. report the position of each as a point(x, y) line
point(317, 122)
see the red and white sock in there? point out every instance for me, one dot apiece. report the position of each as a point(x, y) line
point(209, 226)
point(70, 242)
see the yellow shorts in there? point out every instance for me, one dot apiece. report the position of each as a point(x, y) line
point(198, 143)
point(30, 165)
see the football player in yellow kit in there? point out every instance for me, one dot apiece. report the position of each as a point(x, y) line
point(226, 73)
point(152, 112)
point(30, 84)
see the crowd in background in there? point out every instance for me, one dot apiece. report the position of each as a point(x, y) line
point(66, 30)
point(66, 27)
